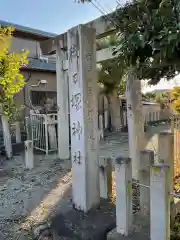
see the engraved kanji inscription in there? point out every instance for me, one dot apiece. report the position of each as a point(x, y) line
point(77, 129)
point(129, 106)
point(77, 157)
point(88, 58)
point(90, 91)
point(76, 101)
point(89, 113)
point(73, 51)
point(75, 78)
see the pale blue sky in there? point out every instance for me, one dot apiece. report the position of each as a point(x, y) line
point(51, 15)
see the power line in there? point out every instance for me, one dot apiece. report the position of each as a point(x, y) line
point(100, 5)
point(100, 8)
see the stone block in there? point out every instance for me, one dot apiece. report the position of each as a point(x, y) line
point(93, 225)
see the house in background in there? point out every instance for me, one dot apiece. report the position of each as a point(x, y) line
point(40, 73)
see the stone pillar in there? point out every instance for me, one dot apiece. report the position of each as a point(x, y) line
point(135, 121)
point(105, 177)
point(106, 119)
point(18, 132)
point(29, 157)
point(115, 111)
point(166, 153)
point(52, 133)
point(123, 171)
point(62, 103)
point(6, 136)
point(101, 129)
point(160, 203)
point(84, 117)
point(106, 113)
point(146, 161)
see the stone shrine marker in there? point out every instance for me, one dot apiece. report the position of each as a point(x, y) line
point(83, 116)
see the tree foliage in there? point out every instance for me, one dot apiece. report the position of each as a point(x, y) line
point(11, 80)
point(110, 72)
point(175, 99)
point(110, 76)
point(149, 38)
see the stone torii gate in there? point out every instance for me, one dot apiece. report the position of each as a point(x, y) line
point(76, 52)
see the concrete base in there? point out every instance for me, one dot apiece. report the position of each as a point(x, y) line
point(91, 226)
point(113, 235)
point(140, 230)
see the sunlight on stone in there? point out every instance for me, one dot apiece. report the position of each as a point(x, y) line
point(41, 212)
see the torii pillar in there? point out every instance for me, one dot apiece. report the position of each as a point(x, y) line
point(62, 101)
point(135, 122)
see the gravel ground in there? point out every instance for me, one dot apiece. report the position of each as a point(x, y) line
point(28, 197)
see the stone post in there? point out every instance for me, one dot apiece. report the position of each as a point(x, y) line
point(52, 133)
point(106, 113)
point(18, 132)
point(166, 153)
point(160, 202)
point(146, 161)
point(105, 177)
point(135, 122)
point(106, 119)
point(123, 171)
point(62, 103)
point(6, 136)
point(84, 117)
point(115, 111)
point(101, 129)
point(29, 157)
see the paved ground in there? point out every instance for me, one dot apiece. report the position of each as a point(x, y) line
point(28, 197)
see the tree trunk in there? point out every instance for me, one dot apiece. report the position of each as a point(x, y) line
point(114, 110)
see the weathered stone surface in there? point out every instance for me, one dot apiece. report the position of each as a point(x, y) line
point(93, 225)
point(2, 237)
point(113, 235)
point(140, 230)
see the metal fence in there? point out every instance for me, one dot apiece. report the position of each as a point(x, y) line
point(148, 118)
point(42, 130)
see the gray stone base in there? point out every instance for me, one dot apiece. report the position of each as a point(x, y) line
point(91, 226)
point(113, 235)
point(140, 230)
point(142, 235)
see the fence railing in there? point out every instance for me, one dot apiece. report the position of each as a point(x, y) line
point(149, 117)
point(42, 130)
point(149, 197)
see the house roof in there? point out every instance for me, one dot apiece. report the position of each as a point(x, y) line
point(28, 30)
point(40, 65)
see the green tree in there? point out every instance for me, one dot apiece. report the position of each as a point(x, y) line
point(150, 96)
point(175, 99)
point(11, 80)
point(149, 38)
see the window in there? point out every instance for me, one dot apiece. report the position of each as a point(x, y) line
point(39, 97)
